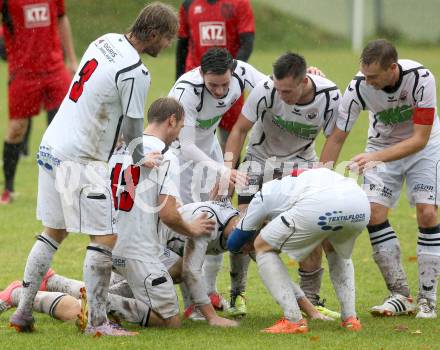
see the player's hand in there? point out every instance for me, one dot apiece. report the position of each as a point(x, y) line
point(222, 322)
point(202, 226)
point(363, 162)
point(315, 71)
point(318, 316)
point(153, 160)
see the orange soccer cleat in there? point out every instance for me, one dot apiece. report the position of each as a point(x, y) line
point(284, 326)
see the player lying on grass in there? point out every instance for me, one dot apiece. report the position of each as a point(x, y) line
point(317, 206)
point(60, 296)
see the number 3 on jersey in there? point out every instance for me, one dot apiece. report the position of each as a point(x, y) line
point(84, 75)
point(130, 178)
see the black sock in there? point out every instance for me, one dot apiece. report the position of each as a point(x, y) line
point(11, 153)
point(25, 142)
point(51, 114)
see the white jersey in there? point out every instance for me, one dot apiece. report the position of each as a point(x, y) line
point(390, 110)
point(221, 212)
point(112, 83)
point(288, 131)
point(137, 200)
point(203, 111)
point(278, 196)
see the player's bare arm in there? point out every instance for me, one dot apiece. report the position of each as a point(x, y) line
point(415, 143)
point(333, 145)
point(236, 139)
point(172, 218)
point(67, 42)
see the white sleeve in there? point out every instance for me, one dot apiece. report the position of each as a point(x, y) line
point(425, 91)
point(133, 88)
point(255, 214)
point(350, 107)
point(248, 75)
point(332, 112)
point(170, 173)
point(184, 93)
point(257, 101)
point(193, 258)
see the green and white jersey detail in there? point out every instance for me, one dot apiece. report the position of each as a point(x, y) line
point(390, 110)
point(288, 131)
point(202, 110)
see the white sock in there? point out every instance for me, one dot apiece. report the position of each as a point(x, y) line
point(97, 271)
point(310, 283)
point(342, 276)
point(275, 277)
point(58, 283)
point(186, 295)
point(46, 302)
point(38, 262)
point(211, 268)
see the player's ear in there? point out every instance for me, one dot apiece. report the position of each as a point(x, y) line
point(172, 120)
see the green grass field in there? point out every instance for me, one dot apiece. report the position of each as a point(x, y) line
point(18, 227)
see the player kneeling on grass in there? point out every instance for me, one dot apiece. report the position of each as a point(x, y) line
point(317, 206)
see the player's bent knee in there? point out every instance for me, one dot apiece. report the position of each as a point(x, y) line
point(427, 215)
point(379, 214)
point(67, 309)
point(157, 321)
point(16, 130)
point(261, 246)
point(107, 240)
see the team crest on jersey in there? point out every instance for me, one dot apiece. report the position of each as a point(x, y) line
point(403, 95)
point(36, 15)
point(312, 114)
point(212, 34)
point(198, 9)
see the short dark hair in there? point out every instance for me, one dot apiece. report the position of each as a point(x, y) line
point(155, 18)
point(379, 51)
point(216, 60)
point(290, 64)
point(161, 109)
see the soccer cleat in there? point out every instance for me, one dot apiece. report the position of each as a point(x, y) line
point(394, 305)
point(192, 313)
point(326, 312)
point(49, 274)
point(82, 317)
point(6, 197)
point(426, 309)
point(238, 306)
point(21, 322)
point(284, 326)
point(218, 302)
point(352, 324)
point(6, 296)
point(109, 329)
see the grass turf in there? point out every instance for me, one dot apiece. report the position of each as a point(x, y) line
point(18, 227)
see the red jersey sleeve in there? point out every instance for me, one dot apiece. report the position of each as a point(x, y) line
point(183, 23)
point(246, 22)
point(61, 9)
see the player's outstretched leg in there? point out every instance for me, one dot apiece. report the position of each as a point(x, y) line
point(211, 267)
point(386, 254)
point(275, 277)
point(62, 284)
point(428, 257)
point(37, 265)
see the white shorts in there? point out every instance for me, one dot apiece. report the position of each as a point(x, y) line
point(383, 184)
point(76, 197)
point(150, 283)
point(261, 171)
point(338, 215)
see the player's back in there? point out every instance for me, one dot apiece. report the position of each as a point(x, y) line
point(111, 83)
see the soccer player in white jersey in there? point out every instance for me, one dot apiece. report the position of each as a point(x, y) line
point(107, 95)
point(206, 93)
point(286, 113)
point(404, 134)
point(144, 198)
point(304, 211)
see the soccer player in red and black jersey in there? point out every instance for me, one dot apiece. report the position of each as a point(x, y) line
point(220, 23)
point(35, 33)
